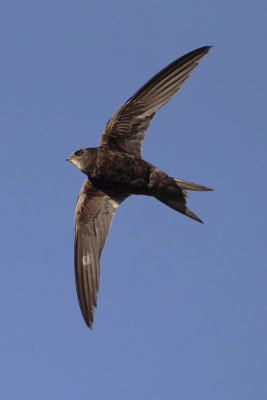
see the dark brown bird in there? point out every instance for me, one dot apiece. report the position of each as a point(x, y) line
point(116, 169)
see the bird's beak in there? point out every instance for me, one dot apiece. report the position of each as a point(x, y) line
point(68, 159)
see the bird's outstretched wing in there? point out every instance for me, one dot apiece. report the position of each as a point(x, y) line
point(93, 216)
point(125, 131)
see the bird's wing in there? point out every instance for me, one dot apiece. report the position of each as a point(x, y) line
point(93, 216)
point(125, 131)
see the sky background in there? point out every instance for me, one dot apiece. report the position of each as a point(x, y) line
point(181, 308)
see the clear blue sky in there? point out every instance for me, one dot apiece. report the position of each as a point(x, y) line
point(181, 305)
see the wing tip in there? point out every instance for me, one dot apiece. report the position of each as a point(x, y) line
point(90, 325)
point(206, 49)
point(89, 320)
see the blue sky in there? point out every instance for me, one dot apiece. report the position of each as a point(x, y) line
point(181, 305)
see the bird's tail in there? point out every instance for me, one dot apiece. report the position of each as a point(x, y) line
point(191, 186)
point(179, 204)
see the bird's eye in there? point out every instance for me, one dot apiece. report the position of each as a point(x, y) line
point(78, 153)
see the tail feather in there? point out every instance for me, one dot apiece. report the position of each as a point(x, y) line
point(191, 186)
point(179, 205)
point(192, 215)
point(172, 192)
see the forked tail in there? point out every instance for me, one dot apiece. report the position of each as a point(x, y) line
point(179, 203)
point(191, 186)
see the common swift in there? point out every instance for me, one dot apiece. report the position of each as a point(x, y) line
point(116, 169)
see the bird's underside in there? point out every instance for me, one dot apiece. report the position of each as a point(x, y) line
point(115, 170)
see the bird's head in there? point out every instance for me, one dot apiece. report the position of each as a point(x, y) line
point(81, 159)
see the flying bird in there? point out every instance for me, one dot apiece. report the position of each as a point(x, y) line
point(116, 169)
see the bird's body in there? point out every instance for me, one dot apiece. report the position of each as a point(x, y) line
point(115, 170)
point(127, 174)
point(119, 171)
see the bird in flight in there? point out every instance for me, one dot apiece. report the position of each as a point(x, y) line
point(116, 169)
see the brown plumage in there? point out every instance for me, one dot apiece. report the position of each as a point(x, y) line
point(116, 169)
